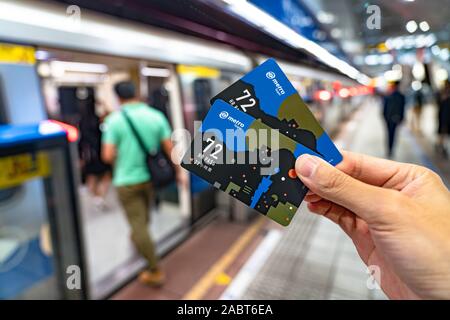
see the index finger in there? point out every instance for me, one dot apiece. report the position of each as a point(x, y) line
point(375, 171)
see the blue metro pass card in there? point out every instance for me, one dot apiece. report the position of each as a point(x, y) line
point(265, 93)
point(247, 159)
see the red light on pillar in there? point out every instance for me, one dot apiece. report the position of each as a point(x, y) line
point(353, 91)
point(337, 85)
point(71, 131)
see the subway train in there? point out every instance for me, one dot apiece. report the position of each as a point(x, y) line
point(74, 66)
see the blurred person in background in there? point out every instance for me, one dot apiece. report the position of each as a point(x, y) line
point(443, 99)
point(96, 173)
point(417, 110)
point(393, 113)
point(131, 176)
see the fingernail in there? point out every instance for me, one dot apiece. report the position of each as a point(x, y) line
point(306, 164)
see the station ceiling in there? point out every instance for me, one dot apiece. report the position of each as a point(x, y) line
point(347, 21)
point(201, 18)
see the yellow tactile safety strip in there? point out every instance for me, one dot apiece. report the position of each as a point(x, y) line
point(209, 278)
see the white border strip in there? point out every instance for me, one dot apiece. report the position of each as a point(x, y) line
point(251, 268)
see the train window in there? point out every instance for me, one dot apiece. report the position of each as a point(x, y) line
point(202, 94)
point(158, 96)
point(73, 101)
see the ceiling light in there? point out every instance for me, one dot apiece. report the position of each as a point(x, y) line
point(444, 54)
point(42, 55)
point(409, 42)
point(424, 26)
point(392, 75)
point(421, 41)
point(398, 43)
point(371, 60)
point(416, 85)
point(325, 17)
point(431, 39)
point(441, 75)
point(386, 58)
point(375, 59)
point(319, 35)
point(155, 72)
point(425, 40)
point(435, 50)
point(363, 79)
point(389, 44)
point(63, 66)
point(397, 67)
point(411, 26)
point(351, 46)
point(358, 60)
point(271, 25)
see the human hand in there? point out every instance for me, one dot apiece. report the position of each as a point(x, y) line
point(397, 215)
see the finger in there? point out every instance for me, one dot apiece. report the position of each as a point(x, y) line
point(369, 202)
point(312, 198)
point(339, 215)
point(374, 171)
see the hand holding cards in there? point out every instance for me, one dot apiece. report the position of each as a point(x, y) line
point(247, 146)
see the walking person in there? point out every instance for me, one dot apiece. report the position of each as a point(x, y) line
point(417, 110)
point(131, 176)
point(96, 172)
point(393, 113)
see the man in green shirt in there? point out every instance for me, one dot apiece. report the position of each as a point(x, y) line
point(131, 176)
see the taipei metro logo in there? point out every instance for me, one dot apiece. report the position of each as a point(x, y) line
point(223, 115)
point(270, 75)
point(278, 88)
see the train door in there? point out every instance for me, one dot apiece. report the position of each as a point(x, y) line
point(160, 90)
point(199, 84)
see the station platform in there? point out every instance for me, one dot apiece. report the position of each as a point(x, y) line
point(64, 233)
point(311, 259)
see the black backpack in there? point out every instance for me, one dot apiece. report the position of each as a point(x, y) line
point(158, 164)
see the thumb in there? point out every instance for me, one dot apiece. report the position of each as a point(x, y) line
point(366, 201)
